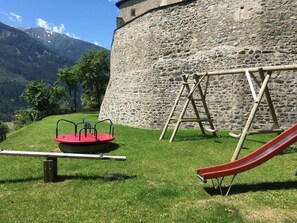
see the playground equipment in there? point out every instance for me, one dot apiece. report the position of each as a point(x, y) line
point(50, 165)
point(84, 140)
point(265, 75)
point(266, 152)
point(172, 119)
point(270, 149)
point(233, 135)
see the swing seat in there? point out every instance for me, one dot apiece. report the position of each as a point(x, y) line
point(233, 135)
point(211, 130)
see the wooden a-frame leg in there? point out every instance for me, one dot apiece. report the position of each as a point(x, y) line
point(269, 101)
point(251, 117)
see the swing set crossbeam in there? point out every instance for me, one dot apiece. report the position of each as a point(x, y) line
point(250, 70)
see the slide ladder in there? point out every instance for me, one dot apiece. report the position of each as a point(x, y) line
point(175, 119)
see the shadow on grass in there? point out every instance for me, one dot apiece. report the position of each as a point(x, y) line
point(245, 188)
point(289, 150)
point(61, 178)
point(111, 147)
point(20, 180)
point(108, 177)
point(192, 137)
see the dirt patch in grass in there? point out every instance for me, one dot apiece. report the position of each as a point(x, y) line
point(270, 215)
point(56, 150)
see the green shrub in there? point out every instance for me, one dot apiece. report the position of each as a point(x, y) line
point(3, 131)
point(25, 117)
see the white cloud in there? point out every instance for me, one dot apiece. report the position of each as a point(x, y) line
point(113, 1)
point(72, 35)
point(15, 17)
point(44, 24)
point(97, 44)
point(59, 29)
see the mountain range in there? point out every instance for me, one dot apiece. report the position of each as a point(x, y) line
point(61, 44)
point(28, 54)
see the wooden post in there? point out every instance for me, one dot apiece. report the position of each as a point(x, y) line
point(50, 170)
point(269, 101)
point(190, 97)
point(179, 121)
point(185, 78)
point(251, 117)
point(198, 82)
point(203, 99)
point(248, 76)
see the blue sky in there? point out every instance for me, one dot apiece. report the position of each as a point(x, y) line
point(89, 20)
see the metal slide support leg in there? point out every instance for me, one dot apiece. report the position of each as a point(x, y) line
point(219, 186)
point(50, 170)
point(231, 183)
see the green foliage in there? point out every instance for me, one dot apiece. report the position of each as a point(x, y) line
point(24, 117)
point(91, 73)
point(93, 69)
point(43, 97)
point(70, 77)
point(160, 183)
point(3, 131)
point(89, 101)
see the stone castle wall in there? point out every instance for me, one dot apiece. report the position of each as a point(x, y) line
point(150, 54)
point(133, 8)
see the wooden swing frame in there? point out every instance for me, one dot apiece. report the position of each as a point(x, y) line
point(176, 121)
point(265, 76)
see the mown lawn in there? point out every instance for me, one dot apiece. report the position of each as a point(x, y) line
point(160, 184)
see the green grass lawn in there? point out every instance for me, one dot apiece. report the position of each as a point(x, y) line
point(160, 183)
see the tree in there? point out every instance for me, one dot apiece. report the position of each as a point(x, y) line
point(42, 96)
point(3, 130)
point(93, 70)
point(70, 77)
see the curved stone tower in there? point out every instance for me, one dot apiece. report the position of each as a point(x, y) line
point(151, 52)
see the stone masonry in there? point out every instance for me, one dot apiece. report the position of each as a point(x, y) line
point(131, 9)
point(151, 53)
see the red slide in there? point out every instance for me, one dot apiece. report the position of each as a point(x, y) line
point(266, 152)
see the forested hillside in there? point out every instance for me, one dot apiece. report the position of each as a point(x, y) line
point(24, 59)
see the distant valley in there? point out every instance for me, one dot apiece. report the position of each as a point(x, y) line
point(28, 54)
